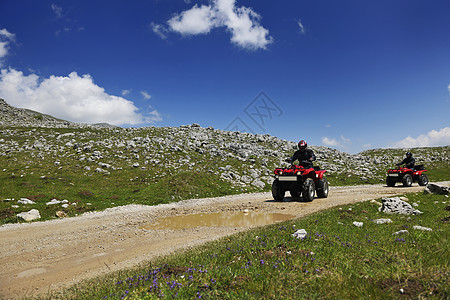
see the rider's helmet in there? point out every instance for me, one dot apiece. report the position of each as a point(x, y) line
point(408, 154)
point(302, 145)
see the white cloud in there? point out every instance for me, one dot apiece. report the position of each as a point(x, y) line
point(125, 92)
point(330, 142)
point(146, 95)
point(160, 30)
point(242, 22)
point(336, 143)
point(72, 98)
point(5, 39)
point(57, 10)
point(197, 20)
point(433, 138)
point(302, 28)
point(345, 140)
point(6, 34)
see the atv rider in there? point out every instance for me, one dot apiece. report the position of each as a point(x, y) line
point(304, 156)
point(408, 161)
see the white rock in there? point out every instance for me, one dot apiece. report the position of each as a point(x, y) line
point(382, 221)
point(30, 215)
point(422, 228)
point(53, 201)
point(358, 224)
point(300, 234)
point(25, 201)
point(401, 232)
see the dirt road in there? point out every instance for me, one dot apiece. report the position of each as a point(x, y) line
point(52, 255)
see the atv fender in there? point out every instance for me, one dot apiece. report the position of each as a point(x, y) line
point(319, 174)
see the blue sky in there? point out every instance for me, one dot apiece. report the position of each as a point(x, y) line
point(351, 75)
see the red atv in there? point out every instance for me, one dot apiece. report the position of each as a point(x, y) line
point(299, 181)
point(407, 176)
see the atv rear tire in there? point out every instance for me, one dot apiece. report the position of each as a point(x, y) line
point(423, 180)
point(308, 190)
point(322, 188)
point(407, 180)
point(277, 191)
point(295, 194)
point(390, 181)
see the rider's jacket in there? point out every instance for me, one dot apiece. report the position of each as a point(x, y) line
point(306, 155)
point(408, 161)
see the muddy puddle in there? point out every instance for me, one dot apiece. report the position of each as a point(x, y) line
point(222, 219)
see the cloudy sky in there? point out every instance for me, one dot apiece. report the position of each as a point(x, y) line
point(351, 75)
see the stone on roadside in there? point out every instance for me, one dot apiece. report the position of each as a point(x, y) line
point(432, 188)
point(61, 214)
point(30, 215)
point(396, 206)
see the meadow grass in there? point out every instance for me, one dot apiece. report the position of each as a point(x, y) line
point(336, 260)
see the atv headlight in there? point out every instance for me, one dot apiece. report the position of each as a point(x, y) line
point(280, 172)
point(299, 173)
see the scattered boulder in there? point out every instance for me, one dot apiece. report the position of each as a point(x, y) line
point(396, 206)
point(258, 183)
point(61, 214)
point(30, 215)
point(422, 228)
point(382, 221)
point(300, 234)
point(432, 188)
point(53, 202)
point(25, 201)
point(401, 232)
point(358, 224)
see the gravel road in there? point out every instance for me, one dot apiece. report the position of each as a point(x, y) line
point(48, 256)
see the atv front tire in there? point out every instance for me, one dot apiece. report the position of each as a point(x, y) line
point(390, 181)
point(295, 194)
point(308, 190)
point(423, 180)
point(322, 188)
point(407, 180)
point(277, 191)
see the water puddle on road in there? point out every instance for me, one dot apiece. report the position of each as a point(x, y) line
point(222, 219)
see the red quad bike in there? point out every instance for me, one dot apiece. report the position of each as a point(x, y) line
point(299, 181)
point(407, 176)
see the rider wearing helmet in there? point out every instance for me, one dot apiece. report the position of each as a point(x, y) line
point(408, 161)
point(304, 156)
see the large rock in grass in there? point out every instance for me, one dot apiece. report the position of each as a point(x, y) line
point(396, 206)
point(432, 188)
point(29, 215)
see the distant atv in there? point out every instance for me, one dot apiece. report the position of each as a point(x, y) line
point(299, 181)
point(407, 176)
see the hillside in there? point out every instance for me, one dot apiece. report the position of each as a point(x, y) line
point(44, 158)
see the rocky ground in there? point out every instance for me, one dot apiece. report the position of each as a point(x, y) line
point(244, 160)
point(48, 256)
